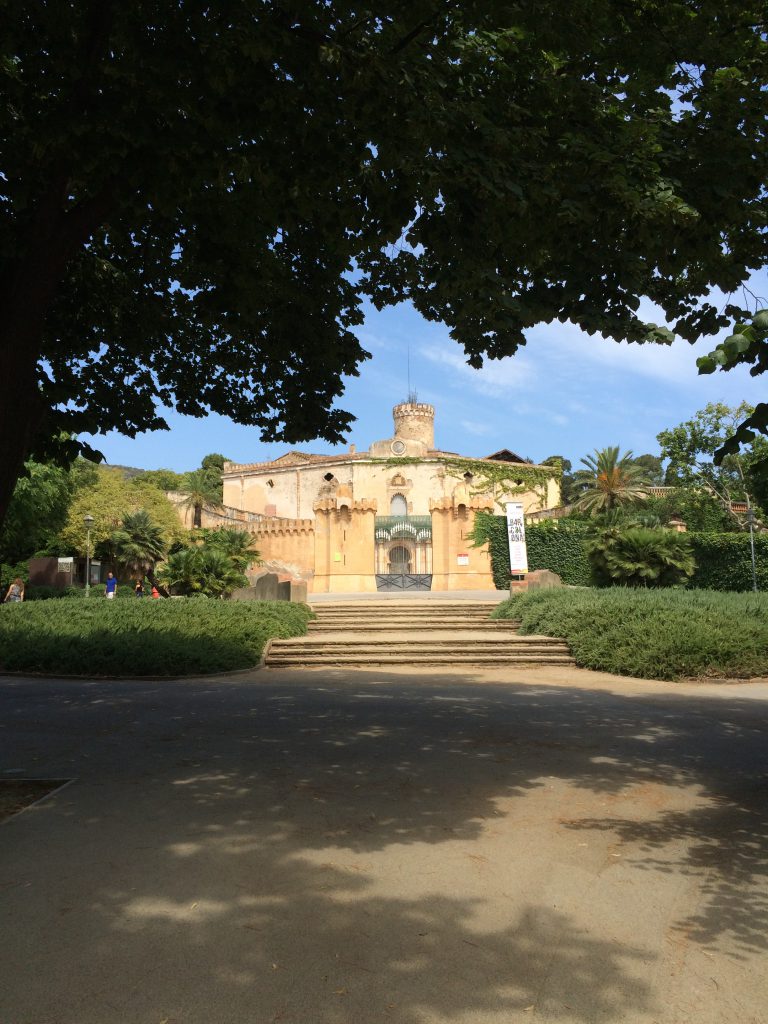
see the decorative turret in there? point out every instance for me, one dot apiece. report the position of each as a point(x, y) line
point(415, 421)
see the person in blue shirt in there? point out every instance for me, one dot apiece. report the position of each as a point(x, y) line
point(111, 585)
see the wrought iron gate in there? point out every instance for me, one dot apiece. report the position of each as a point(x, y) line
point(403, 581)
point(403, 552)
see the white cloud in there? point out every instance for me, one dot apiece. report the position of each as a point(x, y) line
point(565, 347)
point(496, 378)
point(476, 427)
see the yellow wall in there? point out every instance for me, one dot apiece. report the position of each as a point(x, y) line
point(344, 546)
point(291, 491)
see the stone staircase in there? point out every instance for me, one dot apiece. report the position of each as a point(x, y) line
point(402, 632)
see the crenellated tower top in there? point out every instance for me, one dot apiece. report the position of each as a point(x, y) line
point(415, 421)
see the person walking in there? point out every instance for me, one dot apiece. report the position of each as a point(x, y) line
point(15, 591)
point(139, 588)
point(111, 586)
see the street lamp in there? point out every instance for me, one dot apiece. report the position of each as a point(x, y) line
point(751, 522)
point(88, 520)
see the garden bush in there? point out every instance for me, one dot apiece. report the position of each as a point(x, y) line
point(142, 637)
point(654, 634)
point(639, 557)
point(44, 592)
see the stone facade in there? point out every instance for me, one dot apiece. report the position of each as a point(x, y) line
point(402, 508)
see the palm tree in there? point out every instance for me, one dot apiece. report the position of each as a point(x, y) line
point(180, 571)
point(609, 481)
point(201, 492)
point(203, 570)
point(139, 544)
point(235, 543)
point(639, 557)
point(217, 573)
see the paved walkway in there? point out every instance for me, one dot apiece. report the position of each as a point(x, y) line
point(324, 847)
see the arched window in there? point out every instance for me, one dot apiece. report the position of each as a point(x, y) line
point(398, 506)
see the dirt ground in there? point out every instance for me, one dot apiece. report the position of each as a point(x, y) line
point(377, 847)
point(16, 794)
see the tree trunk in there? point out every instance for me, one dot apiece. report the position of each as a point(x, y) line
point(21, 410)
point(28, 288)
point(156, 582)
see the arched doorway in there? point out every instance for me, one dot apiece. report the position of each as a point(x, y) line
point(400, 559)
point(403, 552)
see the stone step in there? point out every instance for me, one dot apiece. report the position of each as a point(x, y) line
point(479, 616)
point(426, 607)
point(524, 643)
point(397, 620)
point(414, 624)
point(388, 633)
point(404, 613)
point(529, 650)
point(404, 598)
point(361, 660)
point(462, 639)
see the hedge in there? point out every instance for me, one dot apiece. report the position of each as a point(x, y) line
point(555, 545)
point(142, 638)
point(653, 634)
point(723, 560)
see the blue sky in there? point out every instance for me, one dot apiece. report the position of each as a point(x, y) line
point(564, 393)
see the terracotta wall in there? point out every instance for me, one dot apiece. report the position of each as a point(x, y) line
point(291, 541)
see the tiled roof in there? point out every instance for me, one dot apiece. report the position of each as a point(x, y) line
point(295, 459)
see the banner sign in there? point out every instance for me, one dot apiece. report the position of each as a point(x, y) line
point(518, 553)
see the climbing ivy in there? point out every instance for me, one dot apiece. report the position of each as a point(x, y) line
point(553, 544)
point(501, 480)
point(723, 561)
point(501, 477)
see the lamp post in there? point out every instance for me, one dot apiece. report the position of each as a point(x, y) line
point(88, 520)
point(751, 521)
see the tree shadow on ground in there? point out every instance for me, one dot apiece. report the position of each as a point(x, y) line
point(282, 817)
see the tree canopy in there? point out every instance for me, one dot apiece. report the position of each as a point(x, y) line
point(196, 198)
point(37, 511)
point(109, 499)
point(693, 448)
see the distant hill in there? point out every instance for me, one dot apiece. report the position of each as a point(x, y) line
point(128, 471)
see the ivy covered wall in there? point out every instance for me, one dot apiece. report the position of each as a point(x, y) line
point(551, 545)
point(723, 560)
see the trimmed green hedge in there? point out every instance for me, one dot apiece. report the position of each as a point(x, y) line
point(723, 560)
point(653, 634)
point(142, 637)
point(552, 544)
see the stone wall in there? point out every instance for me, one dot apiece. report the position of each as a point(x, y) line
point(290, 541)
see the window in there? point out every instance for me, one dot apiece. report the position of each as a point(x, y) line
point(328, 477)
point(398, 506)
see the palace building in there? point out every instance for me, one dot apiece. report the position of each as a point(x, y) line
point(398, 516)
